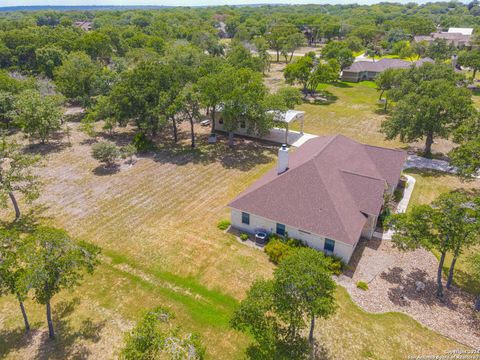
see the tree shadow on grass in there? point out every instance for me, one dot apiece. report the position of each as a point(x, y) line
point(322, 97)
point(341, 84)
point(44, 149)
point(425, 172)
point(66, 344)
point(29, 221)
point(245, 155)
point(102, 170)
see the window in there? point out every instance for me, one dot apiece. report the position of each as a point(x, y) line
point(245, 218)
point(281, 229)
point(329, 245)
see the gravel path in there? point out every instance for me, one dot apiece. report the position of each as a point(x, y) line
point(392, 275)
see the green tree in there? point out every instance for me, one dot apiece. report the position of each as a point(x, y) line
point(340, 51)
point(57, 263)
point(299, 72)
point(238, 56)
point(304, 287)
point(292, 43)
point(470, 59)
point(440, 50)
point(95, 44)
point(450, 223)
point(323, 73)
point(427, 109)
point(278, 35)
point(105, 152)
point(17, 175)
point(385, 82)
point(38, 116)
point(76, 76)
point(15, 277)
point(212, 88)
point(48, 59)
point(274, 311)
point(189, 106)
point(244, 105)
point(154, 337)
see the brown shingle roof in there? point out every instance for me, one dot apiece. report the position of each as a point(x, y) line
point(383, 64)
point(331, 183)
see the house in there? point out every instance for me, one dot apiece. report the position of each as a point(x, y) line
point(368, 70)
point(328, 193)
point(458, 37)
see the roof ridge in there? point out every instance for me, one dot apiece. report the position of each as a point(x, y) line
point(362, 175)
point(347, 233)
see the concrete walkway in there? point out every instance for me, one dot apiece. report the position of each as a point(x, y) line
point(295, 138)
point(419, 162)
point(401, 207)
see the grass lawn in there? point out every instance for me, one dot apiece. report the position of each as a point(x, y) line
point(156, 223)
point(429, 185)
point(351, 109)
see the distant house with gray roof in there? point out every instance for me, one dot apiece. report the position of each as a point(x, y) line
point(368, 70)
point(458, 37)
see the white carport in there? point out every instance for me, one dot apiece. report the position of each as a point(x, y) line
point(288, 117)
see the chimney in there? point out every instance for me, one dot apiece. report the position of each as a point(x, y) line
point(282, 159)
point(454, 61)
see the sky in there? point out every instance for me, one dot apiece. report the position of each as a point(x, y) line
point(178, 2)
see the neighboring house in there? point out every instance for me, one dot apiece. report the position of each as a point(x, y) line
point(328, 193)
point(84, 25)
point(368, 70)
point(459, 37)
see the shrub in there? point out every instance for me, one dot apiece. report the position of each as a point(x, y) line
point(105, 152)
point(277, 250)
point(142, 143)
point(336, 264)
point(362, 285)
point(244, 236)
point(223, 224)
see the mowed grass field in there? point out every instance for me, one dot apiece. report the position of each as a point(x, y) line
point(156, 223)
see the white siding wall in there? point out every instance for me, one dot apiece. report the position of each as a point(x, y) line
point(312, 240)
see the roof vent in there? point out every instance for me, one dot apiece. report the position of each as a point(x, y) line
point(282, 159)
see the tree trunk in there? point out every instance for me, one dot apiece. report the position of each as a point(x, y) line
point(213, 119)
point(192, 131)
point(175, 134)
point(310, 337)
point(15, 205)
point(477, 304)
point(51, 332)
point(450, 272)
point(386, 101)
point(439, 276)
point(381, 94)
point(278, 56)
point(230, 139)
point(474, 73)
point(24, 314)
point(428, 144)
